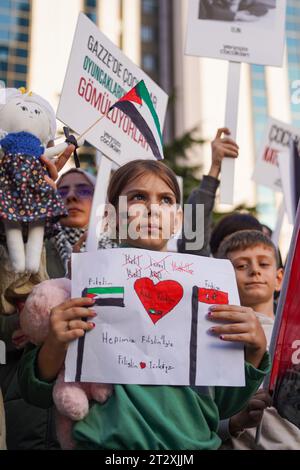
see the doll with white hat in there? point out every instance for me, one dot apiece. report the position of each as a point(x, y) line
point(27, 202)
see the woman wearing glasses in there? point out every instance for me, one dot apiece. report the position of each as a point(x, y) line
point(76, 187)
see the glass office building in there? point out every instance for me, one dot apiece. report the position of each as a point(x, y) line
point(293, 52)
point(15, 19)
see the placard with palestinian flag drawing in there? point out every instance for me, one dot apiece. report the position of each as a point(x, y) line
point(152, 325)
point(97, 76)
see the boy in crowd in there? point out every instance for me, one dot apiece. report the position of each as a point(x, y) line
point(255, 261)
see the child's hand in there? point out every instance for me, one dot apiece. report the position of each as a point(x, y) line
point(251, 416)
point(220, 148)
point(66, 324)
point(54, 168)
point(244, 327)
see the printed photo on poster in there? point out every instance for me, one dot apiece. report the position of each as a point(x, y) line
point(235, 29)
point(237, 10)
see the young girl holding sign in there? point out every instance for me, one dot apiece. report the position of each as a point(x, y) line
point(147, 417)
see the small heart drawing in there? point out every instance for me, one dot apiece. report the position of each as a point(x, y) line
point(142, 365)
point(158, 299)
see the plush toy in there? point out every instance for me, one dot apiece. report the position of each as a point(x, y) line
point(71, 399)
point(27, 201)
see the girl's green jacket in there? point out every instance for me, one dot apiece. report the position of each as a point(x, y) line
point(140, 417)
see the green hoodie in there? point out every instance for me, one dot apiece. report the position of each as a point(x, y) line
point(144, 417)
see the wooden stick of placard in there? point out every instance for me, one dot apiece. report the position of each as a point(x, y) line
point(231, 120)
point(99, 200)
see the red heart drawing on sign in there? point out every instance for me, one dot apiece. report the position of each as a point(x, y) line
point(158, 299)
point(142, 365)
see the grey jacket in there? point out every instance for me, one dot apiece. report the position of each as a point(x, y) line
point(205, 194)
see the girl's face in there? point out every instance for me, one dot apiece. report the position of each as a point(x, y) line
point(152, 213)
point(77, 194)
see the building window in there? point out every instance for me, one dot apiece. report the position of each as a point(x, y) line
point(19, 83)
point(91, 3)
point(149, 6)
point(90, 9)
point(19, 68)
point(22, 5)
point(148, 34)
point(3, 65)
point(149, 62)
point(21, 52)
point(23, 22)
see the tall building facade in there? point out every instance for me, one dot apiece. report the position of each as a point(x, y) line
point(293, 54)
point(15, 27)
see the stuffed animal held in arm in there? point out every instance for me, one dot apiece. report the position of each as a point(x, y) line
point(71, 398)
point(27, 125)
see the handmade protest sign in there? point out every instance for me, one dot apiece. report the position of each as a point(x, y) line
point(151, 324)
point(276, 140)
point(234, 30)
point(98, 75)
point(284, 381)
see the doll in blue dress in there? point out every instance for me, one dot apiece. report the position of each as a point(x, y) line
point(27, 125)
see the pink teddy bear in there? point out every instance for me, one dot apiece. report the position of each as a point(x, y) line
point(71, 398)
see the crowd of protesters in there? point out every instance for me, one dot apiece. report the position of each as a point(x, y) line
point(150, 417)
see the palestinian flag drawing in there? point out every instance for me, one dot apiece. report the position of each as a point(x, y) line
point(106, 296)
point(138, 106)
point(204, 296)
point(212, 296)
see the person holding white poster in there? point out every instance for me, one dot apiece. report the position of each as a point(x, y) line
point(152, 417)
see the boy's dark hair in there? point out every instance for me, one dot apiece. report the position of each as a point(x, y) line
point(244, 239)
point(230, 224)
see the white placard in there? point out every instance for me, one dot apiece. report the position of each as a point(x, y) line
point(151, 324)
point(246, 31)
point(99, 74)
point(276, 140)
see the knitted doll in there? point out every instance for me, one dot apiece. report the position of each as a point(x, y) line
point(27, 201)
point(71, 398)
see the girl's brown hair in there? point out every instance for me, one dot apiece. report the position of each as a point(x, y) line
point(136, 168)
